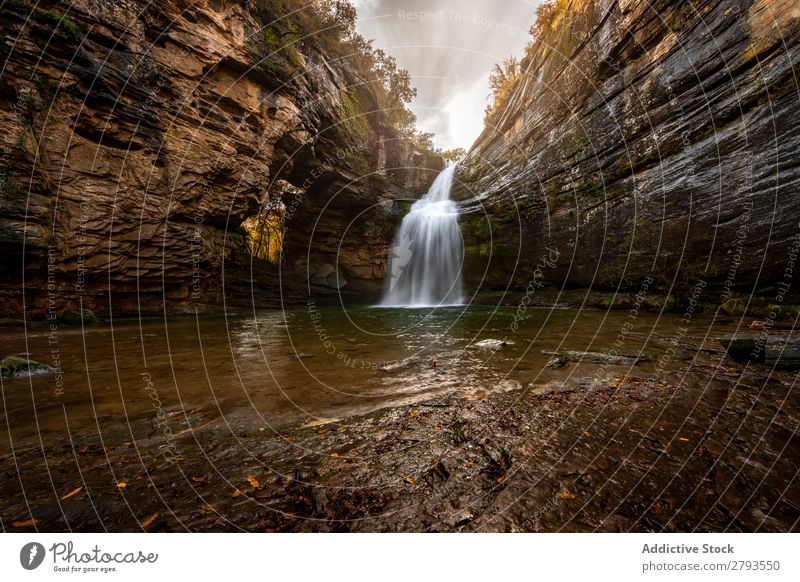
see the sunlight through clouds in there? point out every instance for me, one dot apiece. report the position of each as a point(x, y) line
point(449, 47)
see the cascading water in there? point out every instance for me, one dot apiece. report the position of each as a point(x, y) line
point(425, 267)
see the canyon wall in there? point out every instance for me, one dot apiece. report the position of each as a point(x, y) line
point(137, 136)
point(643, 140)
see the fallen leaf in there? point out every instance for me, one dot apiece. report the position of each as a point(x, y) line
point(683, 439)
point(236, 493)
point(501, 478)
point(207, 508)
point(437, 427)
point(323, 430)
point(149, 520)
point(122, 484)
point(470, 464)
point(127, 444)
point(253, 481)
point(341, 429)
point(26, 523)
point(71, 493)
point(565, 495)
point(198, 479)
point(710, 491)
point(412, 413)
point(334, 454)
point(587, 434)
point(408, 480)
point(179, 458)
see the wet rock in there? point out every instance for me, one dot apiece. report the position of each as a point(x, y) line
point(492, 344)
point(15, 367)
point(742, 347)
point(556, 362)
point(782, 351)
point(593, 358)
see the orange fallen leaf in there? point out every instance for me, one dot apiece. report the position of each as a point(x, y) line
point(683, 440)
point(198, 479)
point(566, 495)
point(412, 413)
point(207, 508)
point(122, 484)
point(437, 427)
point(236, 493)
point(587, 434)
point(71, 493)
point(470, 464)
point(408, 480)
point(149, 520)
point(26, 523)
point(179, 458)
point(501, 478)
point(341, 429)
point(334, 454)
point(253, 481)
point(323, 430)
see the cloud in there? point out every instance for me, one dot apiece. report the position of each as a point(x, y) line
point(449, 47)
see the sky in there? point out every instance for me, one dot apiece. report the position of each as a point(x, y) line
point(449, 47)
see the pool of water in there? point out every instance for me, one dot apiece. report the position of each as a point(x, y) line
point(289, 367)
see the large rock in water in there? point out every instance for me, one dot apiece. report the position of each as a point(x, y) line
point(778, 350)
point(14, 367)
point(741, 347)
point(638, 130)
point(783, 351)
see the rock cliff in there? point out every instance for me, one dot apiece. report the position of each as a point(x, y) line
point(644, 139)
point(138, 136)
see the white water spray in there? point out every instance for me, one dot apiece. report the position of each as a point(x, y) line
point(425, 266)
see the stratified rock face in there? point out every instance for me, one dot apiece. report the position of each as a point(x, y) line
point(646, 139)
point(136, 138)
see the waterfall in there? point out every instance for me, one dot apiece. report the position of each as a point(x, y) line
point(425, 266)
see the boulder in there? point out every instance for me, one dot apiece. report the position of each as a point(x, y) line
point(782, 351)
point(15, 367)
point(492, 344)
point(741, 347)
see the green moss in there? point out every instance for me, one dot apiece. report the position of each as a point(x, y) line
point(282, 58)
point(10, 189)
point(353, 119)
point(55, 22)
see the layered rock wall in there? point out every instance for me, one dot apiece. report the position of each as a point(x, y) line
point(644, 139)
point(137, 136)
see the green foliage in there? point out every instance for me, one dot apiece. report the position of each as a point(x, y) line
point(279, 55)
point(332, 26)
point(454, 154)
point(502, 81)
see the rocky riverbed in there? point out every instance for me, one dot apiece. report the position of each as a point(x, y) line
point(712, 446)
